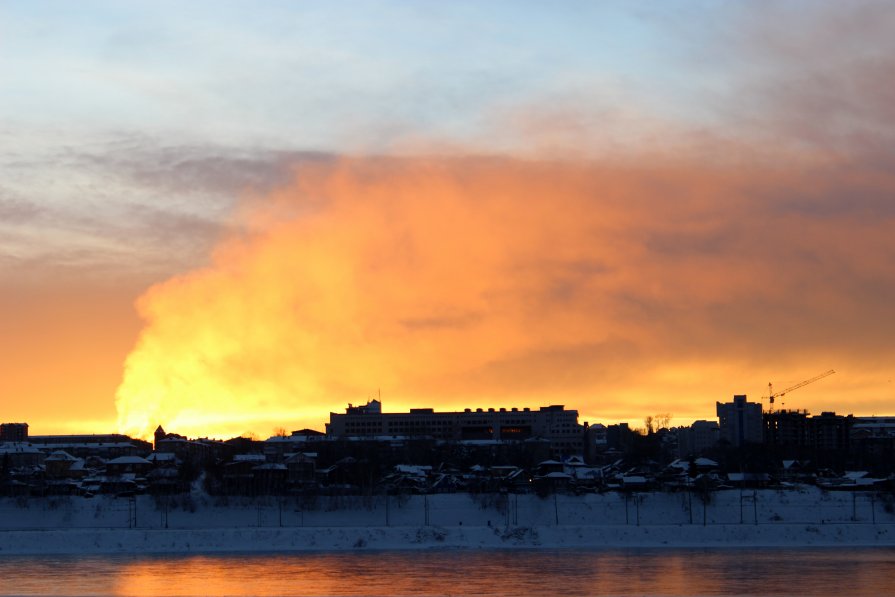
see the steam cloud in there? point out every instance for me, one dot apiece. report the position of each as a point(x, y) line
point(617, 289)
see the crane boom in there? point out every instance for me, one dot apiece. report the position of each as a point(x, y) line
point(771, 394)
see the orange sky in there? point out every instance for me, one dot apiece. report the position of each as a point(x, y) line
point(623, 234)
point(618, 290)
point(62, 350)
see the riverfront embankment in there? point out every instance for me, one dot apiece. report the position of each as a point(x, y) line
point(199, 523)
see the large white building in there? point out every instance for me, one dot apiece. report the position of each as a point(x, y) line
point(552, 423)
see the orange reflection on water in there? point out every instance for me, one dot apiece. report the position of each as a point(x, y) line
point(304, 574)
point(231, 575)
point(511, 572)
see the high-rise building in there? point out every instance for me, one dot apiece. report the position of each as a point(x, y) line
point(787, 429)
point(739, 422)
point(830, 432)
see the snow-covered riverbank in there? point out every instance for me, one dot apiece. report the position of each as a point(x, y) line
point(104, 541)
point(200, 523)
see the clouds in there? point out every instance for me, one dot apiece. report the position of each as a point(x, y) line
point(17, 210)
point(471, 280)
point(344, 77)
point(364, 77)
point(126, 201)
point(602, 204)
point(810, 75)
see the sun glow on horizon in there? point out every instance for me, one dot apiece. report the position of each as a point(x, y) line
point(503, 282)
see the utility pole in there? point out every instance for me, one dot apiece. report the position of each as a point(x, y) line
point(705, 502)
point(689, 499)
point(637, 507)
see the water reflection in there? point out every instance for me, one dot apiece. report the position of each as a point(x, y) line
point(627, 572)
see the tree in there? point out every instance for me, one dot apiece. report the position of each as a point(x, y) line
point(654, 423)
point(663, 420)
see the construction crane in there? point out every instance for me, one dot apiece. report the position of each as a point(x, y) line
point(771, 394)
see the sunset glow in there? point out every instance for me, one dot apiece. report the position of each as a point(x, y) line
point(229, 221)
point(463, 282)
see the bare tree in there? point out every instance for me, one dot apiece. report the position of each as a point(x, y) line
point(654, 423)
point(663, 421)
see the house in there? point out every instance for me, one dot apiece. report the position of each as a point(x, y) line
point(277, 448)
point(163, 460)
point(62, 465)
point(123, 485)
point(269, 478)
point(347, 475)
point(239, 476)
point(301, 470)
point(165, 477)
point(549, 466)
point(552, 482)
point(193, 450)
point(20, 455)
point(634, 483)
point(128, 465)
point(589, 477)
point(165, 480)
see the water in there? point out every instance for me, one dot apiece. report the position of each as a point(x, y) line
point(521, 572)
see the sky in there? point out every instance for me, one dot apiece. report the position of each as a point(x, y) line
point(232, 217)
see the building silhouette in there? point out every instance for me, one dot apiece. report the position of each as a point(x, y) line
point(13, 432)
point(698, 437)
point(554, 424)
point(740, 421)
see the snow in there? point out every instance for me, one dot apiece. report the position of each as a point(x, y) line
point(855, 475)
point(705, 462)
point(414, 470)
point(84, 541)
point(18, 448)
point(249, 458)
point(129, 460)
point(270, 466)
point(200, 523)
point(162, 457)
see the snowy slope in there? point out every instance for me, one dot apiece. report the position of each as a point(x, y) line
point(201, 523)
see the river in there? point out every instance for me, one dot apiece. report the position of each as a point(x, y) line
point(821, 571)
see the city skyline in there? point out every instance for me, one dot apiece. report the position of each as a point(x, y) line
point(225, 217)
point(643, 424)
